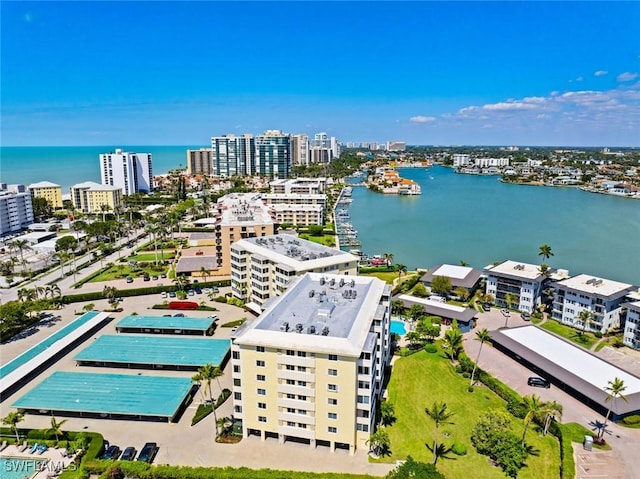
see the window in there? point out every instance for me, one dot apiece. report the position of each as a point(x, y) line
point(332, 401)
point(291, 424)
point(302, 383)
point(262, 392)
point(362, 427)
point(302, 425)
point(236, 355)
point(261, 377)
point(291, 382)
point(262, 405)
point(291, 396)
point(302, 411)
point(302, 369)
point(290, 367)
point(237, 396)
point(260, 349)
point(301, 397)
point(332, 372)
point(332, 415)
point(363, 399)
point(262, 419)
point(237, 382)
point(332, 430)
point(236, 368)
point(302, 354)
point(333, 357)
point(291, 352)
point(291, 410)
point(332, 387)
point(260, 363)
point(237, 408)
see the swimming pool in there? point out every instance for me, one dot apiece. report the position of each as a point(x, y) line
point(398, 327)
point(18, 467)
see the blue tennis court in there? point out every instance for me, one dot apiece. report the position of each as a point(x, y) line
point(107, 395)
point(165, 325)
point(46, 343)
point(130, 350)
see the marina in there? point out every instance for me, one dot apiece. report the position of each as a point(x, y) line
point(346, 234)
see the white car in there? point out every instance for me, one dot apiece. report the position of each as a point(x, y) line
point(163, 294)
point(505, 312)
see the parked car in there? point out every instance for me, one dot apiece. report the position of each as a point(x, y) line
point(129, 454)
point(129, 279)
point(163, 294)
point(146, 278)
point(163, 275)
point(148, 452)
point(207, 290)
point(526, 316)
point(538, 382)
point(154, 277)
point(191, 292)
point(172, 294)
point(178, 315)
point(486, 306)
point(198, 290)
point(505, 312)
point(113, 452)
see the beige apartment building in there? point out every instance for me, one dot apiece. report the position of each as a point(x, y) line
point(90, 197)
point(49, 191)
point(298, 215)
point(262, 268)
point(239, 216)
point(299, 186)
point(311, 368)
point(200, 162)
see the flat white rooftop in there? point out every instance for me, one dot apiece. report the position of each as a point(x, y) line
point(516, 269)
point(430, 302)
point(318, 313)
point(243, 208)
point(574, 360)
point(453, 271)
point(595, 286)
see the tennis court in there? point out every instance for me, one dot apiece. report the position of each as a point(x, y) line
point(142, 351)
point(115, 396)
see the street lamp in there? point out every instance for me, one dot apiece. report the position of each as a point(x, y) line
point(72, 253)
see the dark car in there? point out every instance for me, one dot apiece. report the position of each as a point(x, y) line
point(172, 294)
point(538, 382)
point(129, 454)
point(486, 306)
point(147, 278)
point(148, 452)
point(178, 315)
point(154, 277)
point(113, 452)
point(198, 290)
point(163, 275)
point(129, 279)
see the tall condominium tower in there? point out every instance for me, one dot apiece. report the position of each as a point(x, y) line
point(233, 155)
point(16, 211)
point(273, 154)
point(200, 162)
point(300, 149)
point(132, 172)
point(324, 149)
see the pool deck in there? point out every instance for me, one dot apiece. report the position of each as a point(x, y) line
point(57, 460)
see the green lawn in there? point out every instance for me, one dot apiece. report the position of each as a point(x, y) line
point(386, 277)
point(119, 271)
point(586, 340)
point(327, 240)
point(419, 380)
point(168, 254)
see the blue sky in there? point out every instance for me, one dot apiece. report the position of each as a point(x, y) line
point(539, 73)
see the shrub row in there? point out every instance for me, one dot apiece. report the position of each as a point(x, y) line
point(632, 420)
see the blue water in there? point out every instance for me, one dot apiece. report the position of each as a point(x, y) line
point(18, 467)
point(479, 220)
point(68, 165)
point(45, 343)
point(397, 327)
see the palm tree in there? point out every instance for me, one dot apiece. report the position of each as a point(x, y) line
point(463, 263)
point(545, 251)
point(482, 336)
point(401, 269)
point(553, 411)
point(396, 306)
point(586, 317)
point(614, 390)
point(197, 378)
point(533, 406)
point(104, 208)
point(438, 412)
point(12, 420)
point(204, 272)
point(387, 413)
point(544, 269)
point(379, 442)
point(110, 293)
point(440, 450)
point(388, 257)
point(453, 341)
point(510, 299)
point(56, 428)
point(208, 373)
point(22, 246)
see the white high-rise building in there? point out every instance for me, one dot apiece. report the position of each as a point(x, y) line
point(324, 149)
point(131, 172)
point(16, 212)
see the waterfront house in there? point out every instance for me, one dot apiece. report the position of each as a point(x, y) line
point(524, 281)
point(460, 276)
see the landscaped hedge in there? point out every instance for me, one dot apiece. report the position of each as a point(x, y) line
point(136, 470)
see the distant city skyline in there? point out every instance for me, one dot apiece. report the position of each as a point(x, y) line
point(426, 73)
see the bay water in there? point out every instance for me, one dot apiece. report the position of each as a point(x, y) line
point(480, 220)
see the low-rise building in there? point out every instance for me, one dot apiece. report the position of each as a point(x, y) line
point(295, 199)
point(523, 281)
point(49, 191)
point(300, 186)
point(16, 211)
point(460, 276)
point(298, 215)
point(311, 368)
point(262, 268)
point(603, 298)
point(90, 197)
point(631, 336)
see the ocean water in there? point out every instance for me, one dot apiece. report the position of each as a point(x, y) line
point(479, 220)
point(68, 165)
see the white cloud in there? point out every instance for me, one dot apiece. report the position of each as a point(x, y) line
point(27, 17)
point(579, 79)
point(627, 76)
point(600, 73)
point(422, 119)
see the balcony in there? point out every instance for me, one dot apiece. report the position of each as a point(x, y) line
point(301, 418)
point(296, 375)
point(294, 403)
point(295, 360)
point(297, 432)
point(297, 390)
